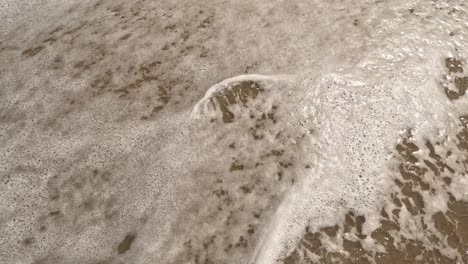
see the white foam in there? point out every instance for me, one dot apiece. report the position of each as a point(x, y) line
point(345, 94)
point(357, 124)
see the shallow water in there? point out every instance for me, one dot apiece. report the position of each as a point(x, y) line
point(233, 132)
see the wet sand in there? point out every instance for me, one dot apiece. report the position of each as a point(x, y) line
point(427, 242)
point(417, 175)
point(105, 159)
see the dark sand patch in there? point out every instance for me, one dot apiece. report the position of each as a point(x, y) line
point(449, 229)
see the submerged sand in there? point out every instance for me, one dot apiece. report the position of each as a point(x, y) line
point(233, 132)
